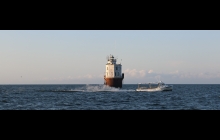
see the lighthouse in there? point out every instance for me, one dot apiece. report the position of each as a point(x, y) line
point(113, 73)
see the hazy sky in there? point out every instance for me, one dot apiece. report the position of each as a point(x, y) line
point(79, 56)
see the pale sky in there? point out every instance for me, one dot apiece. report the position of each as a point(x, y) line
point(79, 56)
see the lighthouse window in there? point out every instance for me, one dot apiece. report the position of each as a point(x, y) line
point(116, 68)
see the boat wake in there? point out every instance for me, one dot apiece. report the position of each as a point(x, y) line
point(60, 90)
point(67, 90)
point(92, 88)
point(102, 88)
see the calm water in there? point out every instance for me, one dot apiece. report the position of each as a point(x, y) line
point(99, 97)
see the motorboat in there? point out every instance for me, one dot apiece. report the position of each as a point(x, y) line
point(152, 86)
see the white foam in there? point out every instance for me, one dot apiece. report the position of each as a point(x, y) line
point(76, 90)
point(101, 88)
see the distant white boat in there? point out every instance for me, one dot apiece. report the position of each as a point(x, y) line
point(152, 86)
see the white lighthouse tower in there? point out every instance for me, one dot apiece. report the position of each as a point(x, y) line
point(113, 76)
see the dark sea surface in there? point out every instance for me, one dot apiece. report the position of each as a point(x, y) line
point(100, 97)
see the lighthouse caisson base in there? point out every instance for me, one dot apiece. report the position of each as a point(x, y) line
point(114, 82)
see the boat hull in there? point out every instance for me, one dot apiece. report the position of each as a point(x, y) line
point(165, 88)
point(149, 90)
